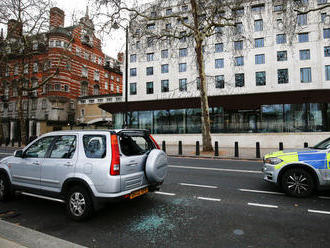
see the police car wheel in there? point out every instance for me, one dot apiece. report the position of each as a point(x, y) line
point(298, 182)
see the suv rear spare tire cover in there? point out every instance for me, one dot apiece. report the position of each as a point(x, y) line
point(156, 166)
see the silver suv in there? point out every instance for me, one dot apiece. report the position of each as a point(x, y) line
point(85, 167)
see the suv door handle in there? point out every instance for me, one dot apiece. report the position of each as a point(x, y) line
point(36, 163)
point(68, 164)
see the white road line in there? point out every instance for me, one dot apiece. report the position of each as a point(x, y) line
point(318, 211)
point(208, 199)
point(324, 197)
point(261, 191)
point(262, 205)
point(198, 185)
point(6, 153)
point(164, 193)
point(214, 169)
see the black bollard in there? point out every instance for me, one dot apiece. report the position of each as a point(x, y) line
point(197, 148)
point(180, 147)
point(236, 150)
point(12, 142)
point(281, 146)
point(216, 149)
point(305, 145)
point(257, 150)
point(164, 146)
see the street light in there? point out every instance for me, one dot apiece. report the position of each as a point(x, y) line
point(115, 25)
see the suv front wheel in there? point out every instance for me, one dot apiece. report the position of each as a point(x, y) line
point(5, 187)
point(79, 203)
point(298, 182)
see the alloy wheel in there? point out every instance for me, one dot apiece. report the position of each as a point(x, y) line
point(77, 204)
point(298, 183)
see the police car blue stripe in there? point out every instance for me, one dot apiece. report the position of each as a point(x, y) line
point(317, 160)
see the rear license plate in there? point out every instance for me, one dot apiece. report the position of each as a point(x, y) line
point(138, 193)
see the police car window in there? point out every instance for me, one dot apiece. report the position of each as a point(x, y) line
point(94, 146)
point(325, 144)
point(64, 147)
point(134, 145)
point(39, 148)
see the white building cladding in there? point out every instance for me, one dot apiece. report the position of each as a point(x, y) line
point(268, 73)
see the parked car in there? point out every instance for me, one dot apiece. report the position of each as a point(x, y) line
point(85, 167)
point(299, 172)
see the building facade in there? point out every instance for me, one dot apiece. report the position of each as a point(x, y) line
point(264, 75)
point(82, 70)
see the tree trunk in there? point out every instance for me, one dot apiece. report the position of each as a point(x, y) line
point(199, 38)
point(21, 118)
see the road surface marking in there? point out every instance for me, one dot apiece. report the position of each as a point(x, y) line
point(6, 153)
point(214, 169)
point(261, 191)
point(208, 199)
point(324, 197)
point(164, 193)
point(262, 205)
point(318, 211)
point(198, 185)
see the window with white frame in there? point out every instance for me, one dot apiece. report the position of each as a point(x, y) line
point(26, 69)
point(84, 71)
point(96, 75)
point(35, 67)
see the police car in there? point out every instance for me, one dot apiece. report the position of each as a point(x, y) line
point(299, 172)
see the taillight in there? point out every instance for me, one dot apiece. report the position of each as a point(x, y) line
point(115, 160)
point(158, 147)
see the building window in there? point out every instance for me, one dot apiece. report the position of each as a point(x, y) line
point(44, 104)
point(96, 90)
point(258, 7)
point(35, 67)
point(282, 56)
point(239, 61)
point(182, 67)
point(183, 84)
point(238, 28)
point(137, 45)
point(327, 72)
point(96, 76)
point(218, 31)
point(278, 7)
point(150, 56)
point(239, 79)
point(258, 25)
point(132, 58)
point(219, 63)
point(151, 26)
point(58, 87)
point(304, 54)
point(327, 51)
point(305, 75)
point(168, 11)
point(112, 87)
point(132, 72)
point(260, 59)
point(323, 16)
point(183, 36)
point(164, 54)
point(106, 75)
point(184, 8)
point(238, 12)
point(164, 68)
point(322, 1)
point(219, 81)
point(326, 33)
point(117, 87)
point(168, 26)
point(302, 19)
point(238, 45)
point(58, 43)
point(150, 71)
point(259, 42)
point(183, 52)
point(132, 88)
point(66, 88)
point(150, 87)
point(198, 83)
point(282, 76)
point(150, 42)
point(84, 71)
point(84, 89)
point(260, 78)
point(78, 51)
point(280, 38)
point(26, 69)
point(219, 47)
point(303, 37)
point(164, 86)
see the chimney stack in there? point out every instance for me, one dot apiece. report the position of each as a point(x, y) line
point(14, 29)
point(56, 18)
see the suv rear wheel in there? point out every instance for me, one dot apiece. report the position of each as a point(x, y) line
point(5, 187)
point(298, 182)
point(79, 203)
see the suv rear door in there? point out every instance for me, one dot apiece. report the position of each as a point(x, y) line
point(134, 148)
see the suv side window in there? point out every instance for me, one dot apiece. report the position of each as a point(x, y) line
point(95, 146)
point(64, 147)
point(39, 148)
point(131, 145)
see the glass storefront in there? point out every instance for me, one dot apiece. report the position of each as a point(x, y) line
point(308, 117)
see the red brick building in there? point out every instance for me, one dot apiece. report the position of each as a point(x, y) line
point(83, 70)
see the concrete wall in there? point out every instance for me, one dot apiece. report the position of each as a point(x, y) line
point(248, 140)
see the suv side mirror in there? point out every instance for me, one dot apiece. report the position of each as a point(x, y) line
point(18, 154)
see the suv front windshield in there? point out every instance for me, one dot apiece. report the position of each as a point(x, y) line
point(323, 145)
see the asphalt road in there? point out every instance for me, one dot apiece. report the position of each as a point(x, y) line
point(203, 203)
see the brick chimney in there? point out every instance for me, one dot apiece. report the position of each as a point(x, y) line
point(14, 29)
point(120, 57)
point(56, 18)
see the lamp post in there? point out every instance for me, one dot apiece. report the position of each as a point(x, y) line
point(115, 25)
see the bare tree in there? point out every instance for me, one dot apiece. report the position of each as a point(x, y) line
point(197, 21)
point(28, 23)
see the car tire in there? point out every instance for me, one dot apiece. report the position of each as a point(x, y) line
point(5, 188)
point(298, 182)
point(79, 204)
